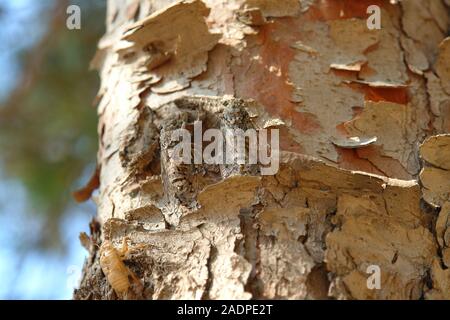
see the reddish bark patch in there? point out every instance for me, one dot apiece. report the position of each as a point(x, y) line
point(345, 74)
point(368, 71)
point(343, 9)
point(273, 88)
point(340, 128)
point(265, 71)
point(396, 95)
point(350, 160)
point(263, 74)
point(305, 122)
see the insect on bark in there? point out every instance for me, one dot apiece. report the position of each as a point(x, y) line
point(117, 274)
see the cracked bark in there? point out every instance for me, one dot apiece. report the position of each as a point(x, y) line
point(356, 186)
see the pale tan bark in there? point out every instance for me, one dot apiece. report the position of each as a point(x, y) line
point(337, 205)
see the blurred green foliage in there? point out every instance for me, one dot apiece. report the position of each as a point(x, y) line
point(48, 135)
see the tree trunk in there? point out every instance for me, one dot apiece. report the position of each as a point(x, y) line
point(355, 193)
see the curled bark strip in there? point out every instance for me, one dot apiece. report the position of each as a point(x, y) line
point(85, 193)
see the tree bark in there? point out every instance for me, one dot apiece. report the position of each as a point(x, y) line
point(356, 187)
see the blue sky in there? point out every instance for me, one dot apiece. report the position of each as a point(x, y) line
point(34, 275)
point(18, 21)
point(37, 275)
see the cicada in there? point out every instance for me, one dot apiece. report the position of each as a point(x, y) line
point(117, 273)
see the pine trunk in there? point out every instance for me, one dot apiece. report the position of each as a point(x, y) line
point(363, 182)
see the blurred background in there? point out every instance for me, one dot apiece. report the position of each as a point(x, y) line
point(48, 143)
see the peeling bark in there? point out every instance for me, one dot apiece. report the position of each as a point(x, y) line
point(364, 117)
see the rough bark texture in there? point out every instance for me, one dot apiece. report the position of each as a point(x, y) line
point(356, 186)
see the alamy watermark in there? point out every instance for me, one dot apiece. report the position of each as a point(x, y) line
point(374, 20)
point(374, 280)
point(228, 146)
point(73, 21)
